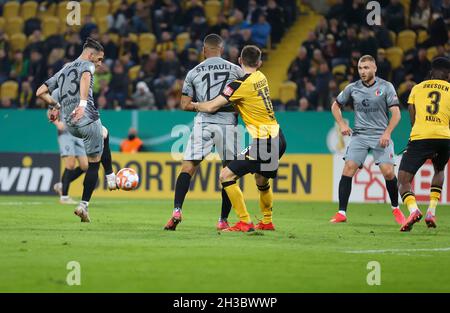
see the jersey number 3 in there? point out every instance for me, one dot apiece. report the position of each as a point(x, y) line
point(435, 97)
point(74, 82)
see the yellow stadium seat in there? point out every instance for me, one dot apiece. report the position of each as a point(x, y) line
point(10, 89)
point(11, 9)
point(395, 56)
point(102, 24)
point(288, 91)
point(406, 40)
point(403, 88)
point(115, 5)
point(339, 69)
point(231, 20)
point(131, 1)
point(431, 53)
point(422, 36)
point(133, 37)
point(114, 38)
point(50, 26)
point(85, 8)
point(62, 10)
point(181, 41)
point(2, 23)
point(212, 9)
point(18, 42)
point(28, 9)
point(13, 25)
point(133, 72)
point(49, 11)
point(146, 42)
point(101, 9)
point(343, 85)
point(393, 37)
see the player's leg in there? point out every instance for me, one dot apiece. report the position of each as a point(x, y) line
point(228, 180)
point(384, 158)
point(93, 142)
point(265, 202)
point(198, 147)
point(354, 158)
point(106, 161)
point(70, 174)
point(226, 142)
point(439, 163)
point(414, 157)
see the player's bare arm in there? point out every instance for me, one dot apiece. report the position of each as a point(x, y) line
point(393, 122)
point(210, 106)
point(44, 94)
point(412, 114)
point(186, 103)
point(337, 113)
point(85, 82)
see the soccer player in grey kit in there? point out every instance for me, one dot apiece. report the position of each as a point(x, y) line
point(372, 99)
point(203, 83)
point(76, 107)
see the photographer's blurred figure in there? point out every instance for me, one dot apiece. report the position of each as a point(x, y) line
point(132, 144)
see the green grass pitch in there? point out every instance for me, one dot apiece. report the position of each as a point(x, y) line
point(124, 249)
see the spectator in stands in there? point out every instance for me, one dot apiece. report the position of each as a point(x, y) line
point(323, 79)
point(438, 31)
point(445, 11)
point(88, 28)
point(233, 55)
point(143, 98)
point(7, 103)
point(345, 46)
point(118, 86)
point(311, 43)
point(337, 11)
point(322, 29)
point(356, 13)
point(367, 44)
point(222, 24)
point(303, 104)
point(195, 9)
point(191, 61)
point(383, 65)
point(19, 67)
point(129, 46)
point(26, 95)
point(198, 28)
point(395, 16)
point(165, 44)
point(74, 47)
point(299, 68)
point(334, 29)
point(253, 12)
point(421, 66)
point(329, 48)
point(31, 25)
point(275, 18)
point(246, 38)
point(240, 23)
point(102, 77)
point(132, 144)
point(309, 91)
point(35, 42)
point(317, 59)
point(170, 66)
point(141, 21)
point(420, 16)
point(37, 69)
point(111, 49)
point(5, 65)
point(261, 31)
point(382, 35)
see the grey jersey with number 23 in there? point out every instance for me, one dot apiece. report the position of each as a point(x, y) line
point(67, 81)
point(206, 81)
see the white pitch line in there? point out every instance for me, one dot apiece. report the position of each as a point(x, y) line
point(398, 250)
point(21, 203)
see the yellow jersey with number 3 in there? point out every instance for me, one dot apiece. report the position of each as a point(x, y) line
point(431, 100)
point(250, 95)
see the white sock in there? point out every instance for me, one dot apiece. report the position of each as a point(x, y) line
point(111, 176)
point(342, 212)
point(431, 211)
point(394, 208)
point(64, 197)
point(85, 203)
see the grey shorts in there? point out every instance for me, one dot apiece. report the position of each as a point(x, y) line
point(70, 145)
point(92, 135)
point(360, 146)
point(205, 136)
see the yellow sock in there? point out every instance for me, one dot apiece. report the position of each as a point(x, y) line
point(435, 195)
point(266, 202)
point(237, 200)
point(410, 200)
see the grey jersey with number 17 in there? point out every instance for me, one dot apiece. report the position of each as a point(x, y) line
point(206, 81)
point(67, 81)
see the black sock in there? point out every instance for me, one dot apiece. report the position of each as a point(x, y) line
point(392, 188)
point(106, 156)
point(226, 205)
point(345, 188)
point(68, 177)
point(90, 180)
point(181, 189)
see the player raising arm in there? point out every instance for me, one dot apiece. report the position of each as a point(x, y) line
point(74, 82)
point(429, 107)
point(250, 94)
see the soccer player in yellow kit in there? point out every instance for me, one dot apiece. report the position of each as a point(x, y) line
point(250, 95)
point(429, 107)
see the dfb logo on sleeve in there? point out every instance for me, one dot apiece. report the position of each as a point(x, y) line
point(228, 91)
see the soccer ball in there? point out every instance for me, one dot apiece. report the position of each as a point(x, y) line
point(127, 179)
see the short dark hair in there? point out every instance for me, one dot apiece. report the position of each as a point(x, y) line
point(250, 56)
point(93, 44)
point(440, 68)
point(213, 40)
